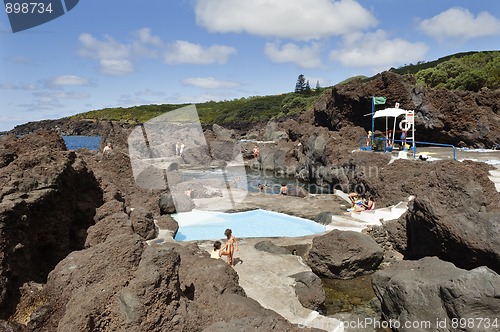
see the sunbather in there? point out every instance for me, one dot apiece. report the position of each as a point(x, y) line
point(360, 203)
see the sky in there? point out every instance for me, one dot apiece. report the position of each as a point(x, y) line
point(122, 53)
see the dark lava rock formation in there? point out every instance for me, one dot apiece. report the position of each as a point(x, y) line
point(344, 255)
point(74, 255)
point(441, 115)
point(439, 295)
point(48, 200)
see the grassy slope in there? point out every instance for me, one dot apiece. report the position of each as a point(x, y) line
point(235, 112)
point(263, 108)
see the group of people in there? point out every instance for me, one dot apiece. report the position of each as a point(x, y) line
point(230, 247)
point(283, 188)
point(360, 203)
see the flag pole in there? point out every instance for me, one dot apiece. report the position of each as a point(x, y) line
point(373, 119)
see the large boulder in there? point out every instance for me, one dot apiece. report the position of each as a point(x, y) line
point(143, 224)
point(464, 237)
point(222, 133)
point(179, 203)
point(268, 246)
point(224, 150)
point(309, 289)
point(454, 214)
point(344, 255)
point(437, 294)
point(116, 224)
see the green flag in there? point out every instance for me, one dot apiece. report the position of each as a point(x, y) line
point(378, 100)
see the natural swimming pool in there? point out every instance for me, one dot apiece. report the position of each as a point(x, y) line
point(209, 225)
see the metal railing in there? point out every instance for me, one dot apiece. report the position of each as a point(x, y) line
point(385, 148)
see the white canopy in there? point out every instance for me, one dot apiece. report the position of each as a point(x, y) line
point(389, 112)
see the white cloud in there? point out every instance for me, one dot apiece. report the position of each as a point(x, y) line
point(117, 58)
point(460, 23)
point(18, 86)
point(146, 44)
point(68, 80)
point(184, 52)
point(113, 57)
point(377, 51)
point(116, 67)
point(296, 19)
point(61, 95)
point(105, 49)
point(146, 37)
point(306, 57)
point(209, 83)
point(52, 100)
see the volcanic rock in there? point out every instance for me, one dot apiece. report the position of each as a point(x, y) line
point(143, 224)
point(344, 255)
point(430, 290)
point(309, 290)
point(49, 199)
point(441, 115)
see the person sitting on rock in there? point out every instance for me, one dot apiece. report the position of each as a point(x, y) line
point(361, 203)
point(368, 204)
point(216, 252)
point(356, 201)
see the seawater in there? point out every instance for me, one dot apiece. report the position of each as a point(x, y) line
point(271, 181)
point(79, 142)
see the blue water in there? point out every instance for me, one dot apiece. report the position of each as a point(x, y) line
point(207, 225)
point(78, 142)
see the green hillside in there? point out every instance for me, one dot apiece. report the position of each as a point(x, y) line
point(234, 112)
point(463, 71)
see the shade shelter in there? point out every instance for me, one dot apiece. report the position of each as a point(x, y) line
point(405, 125)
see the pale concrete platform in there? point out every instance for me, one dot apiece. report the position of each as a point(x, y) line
point(266, 278)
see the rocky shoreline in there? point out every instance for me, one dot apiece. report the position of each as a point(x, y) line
point(77, 234)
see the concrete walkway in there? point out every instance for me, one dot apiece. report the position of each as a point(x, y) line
point(265, 278)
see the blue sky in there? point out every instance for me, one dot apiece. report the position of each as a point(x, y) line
point(122, 53)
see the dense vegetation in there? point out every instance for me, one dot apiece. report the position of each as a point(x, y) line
point(234, 112)
point(464, 71)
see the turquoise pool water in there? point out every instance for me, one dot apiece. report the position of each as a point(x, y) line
point(208, 225)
